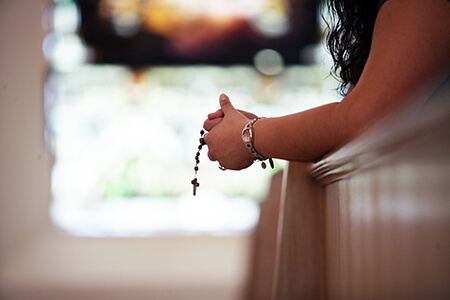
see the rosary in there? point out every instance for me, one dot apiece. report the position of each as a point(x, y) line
point(197, 161)
point(248, 143)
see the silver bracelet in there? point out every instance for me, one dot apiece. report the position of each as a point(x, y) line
point(248, 137)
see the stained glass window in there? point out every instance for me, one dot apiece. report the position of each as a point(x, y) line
point(124, 137)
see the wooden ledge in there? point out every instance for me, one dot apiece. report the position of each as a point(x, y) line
point(418, 131)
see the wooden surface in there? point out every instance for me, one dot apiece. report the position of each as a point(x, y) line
point(299, 270)
point(388, 234)
point(387, 208)
point(264, 244)
point(372, 220)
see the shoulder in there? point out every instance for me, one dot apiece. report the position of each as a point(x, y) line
point(413, 21)
point(410, 44)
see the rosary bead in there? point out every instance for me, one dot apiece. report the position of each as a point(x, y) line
point(197, 161)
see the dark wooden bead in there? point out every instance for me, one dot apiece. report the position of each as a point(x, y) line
point(271, 162)
point(197, 161)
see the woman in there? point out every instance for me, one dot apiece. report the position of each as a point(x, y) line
point(382, 52)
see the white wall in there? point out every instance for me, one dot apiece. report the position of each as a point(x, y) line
point(36, 261)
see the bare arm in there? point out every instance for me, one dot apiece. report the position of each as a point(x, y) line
point(411, 42)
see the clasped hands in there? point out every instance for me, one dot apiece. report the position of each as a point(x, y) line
point(224, 128)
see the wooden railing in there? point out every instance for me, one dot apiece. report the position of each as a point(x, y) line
point(370, 221)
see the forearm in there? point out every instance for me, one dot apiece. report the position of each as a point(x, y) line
point(309, 135)
point(302, 136)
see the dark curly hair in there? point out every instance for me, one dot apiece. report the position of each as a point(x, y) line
point(349, 37)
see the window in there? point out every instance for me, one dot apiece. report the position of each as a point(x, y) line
point(124, 136)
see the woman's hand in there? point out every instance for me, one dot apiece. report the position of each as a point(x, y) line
point(224, 137)
point(217, 116)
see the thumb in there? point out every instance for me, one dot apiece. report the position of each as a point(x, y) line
point(225, 104)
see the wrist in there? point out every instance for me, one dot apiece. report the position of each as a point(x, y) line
point(248, 138)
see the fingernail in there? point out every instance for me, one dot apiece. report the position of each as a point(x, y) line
point(223, 97)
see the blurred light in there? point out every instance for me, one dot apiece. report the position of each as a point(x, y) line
point(273, 19)
point(64, 51)
point(66, 17)
point(49, 44)
point(124, 15)
point(126, 25)
point(269, 62)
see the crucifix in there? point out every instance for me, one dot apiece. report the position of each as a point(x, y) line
point(195, 185)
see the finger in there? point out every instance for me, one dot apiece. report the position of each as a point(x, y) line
point(206, 140)
point(225, 104)
point(211, 157)
point(217, 114)
point(247, 114)
point(209, 124)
